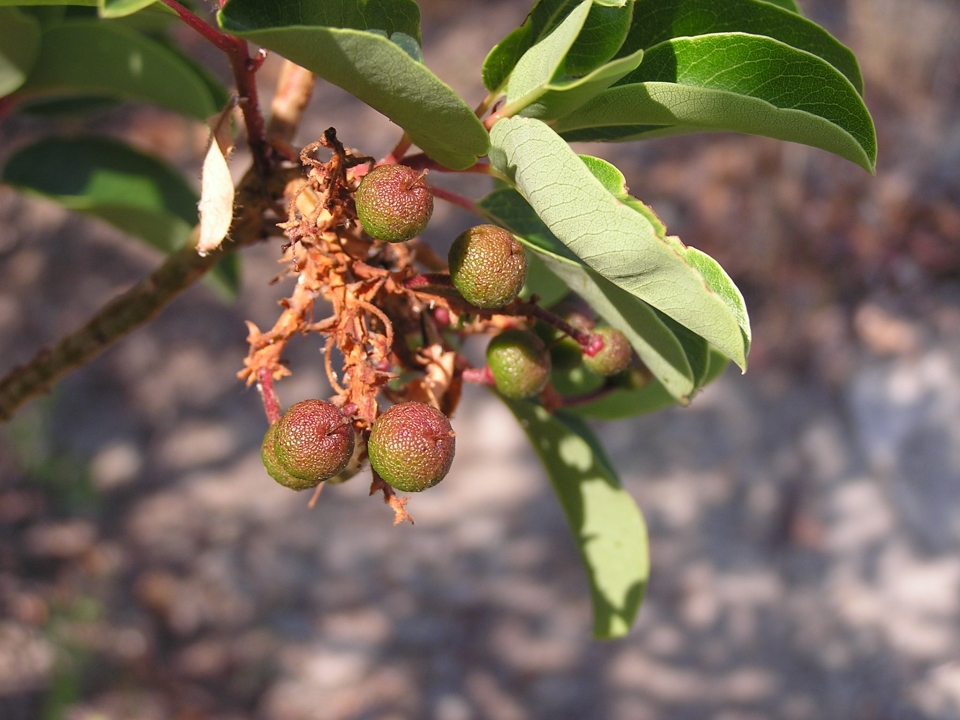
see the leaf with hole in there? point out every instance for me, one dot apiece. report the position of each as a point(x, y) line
point(606, 523)
point(347, 42)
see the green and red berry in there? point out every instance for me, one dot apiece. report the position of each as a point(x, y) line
point(411, 446)
point(312, 442)
point(394, 203)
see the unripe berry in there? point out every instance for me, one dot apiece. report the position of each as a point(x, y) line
point(394, 203)
point(488, 266)
point(411, 446)
point(519, 362)
point(312, 442)
point(614, 357)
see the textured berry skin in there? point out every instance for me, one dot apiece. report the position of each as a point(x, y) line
point(274, 469)
point(411, 446)
point(312, 442)
point(488, 266)
point(519, 362)
point(615, 356)
point(394, 203)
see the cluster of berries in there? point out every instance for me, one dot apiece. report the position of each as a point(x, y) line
point(411, 445)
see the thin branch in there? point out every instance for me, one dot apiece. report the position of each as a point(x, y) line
point(245, 74)
point(294, 89)
point(148, 297)
point(396, 155)
point(460, 201)
point(418, 282)
point(271, 403)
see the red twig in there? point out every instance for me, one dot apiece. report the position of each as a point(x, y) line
point(428, 280)
point(271, 404)
point(591, 343)
point(480, 376)
point(245, 73)
point(396, 155)
point(422, 161)
point(460, 201)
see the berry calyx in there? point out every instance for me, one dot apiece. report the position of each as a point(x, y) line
point(411, 446)
point(310, 443)
point(488, 266)
point(519, 362)
point(615, 355)
point(394, 203)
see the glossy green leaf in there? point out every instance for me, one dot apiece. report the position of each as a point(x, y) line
point(786, 5)
point(135, 192)
point(121, 8)
point(106, 59)
point(656, 345)
point(543, 62)
point(347, 42)
point(624, 403)
point(19, 47)
point(33, 3)
point(657, 21)
point(611, 237)
point(602, 33)
point(606, 523)
point(601, 37)
point(731, 82)
point(562, 96)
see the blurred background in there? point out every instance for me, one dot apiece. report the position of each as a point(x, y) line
point(804, 518)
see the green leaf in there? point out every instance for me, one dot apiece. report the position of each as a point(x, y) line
point(562, 96)
point(548, 288)
point(731, 82)
point(121, 8)
point(611, 237)
point(606, 523)
point(32, 3)
point(106, 59)
point(656, 345)
point(601, 36)
point(19, 47)
point(132, 191)
point(625, 403)
point(543, 62)
point(786, 5)
point(657, 21)
point(336, 40)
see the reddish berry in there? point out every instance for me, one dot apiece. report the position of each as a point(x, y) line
point(411, 446)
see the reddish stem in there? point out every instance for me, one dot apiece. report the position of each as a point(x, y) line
point(590, 343)
point(8, 103)
point(460, 201)
point(480, 376)
point(422, 161)
point(396, 155)
point(271, 404)
point(428, 280)
point(245, 74)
